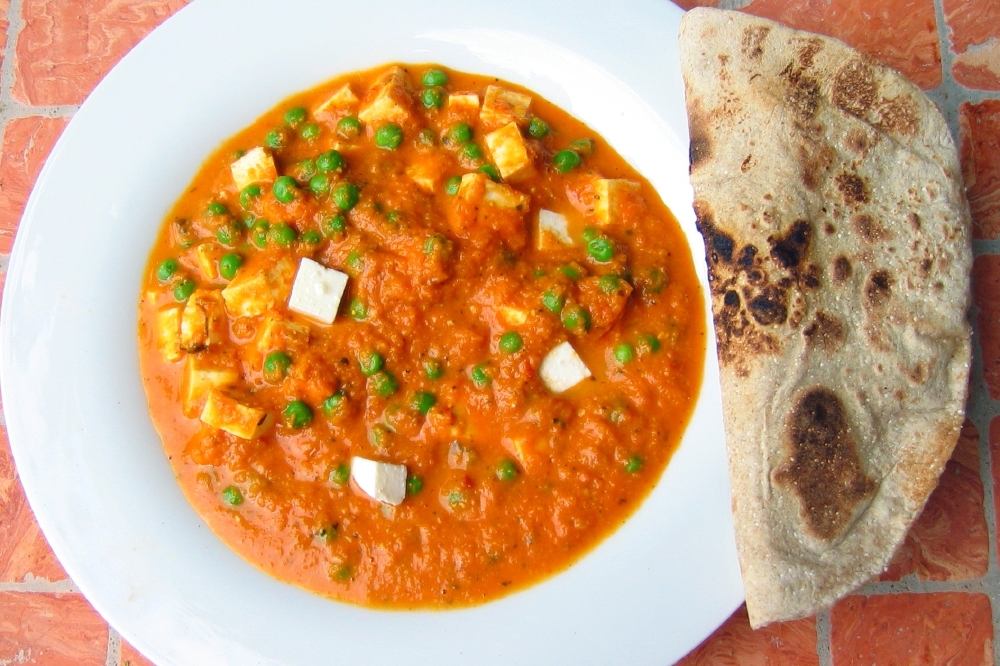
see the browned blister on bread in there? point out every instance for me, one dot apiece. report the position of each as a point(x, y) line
point(829, 195)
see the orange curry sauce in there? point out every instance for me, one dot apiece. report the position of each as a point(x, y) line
point(507, 481)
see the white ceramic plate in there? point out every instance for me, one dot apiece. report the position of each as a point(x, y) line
point(88, 456)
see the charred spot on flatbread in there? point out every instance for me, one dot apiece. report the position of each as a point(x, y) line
point(801, 93)
point(752, 41)
point(855, 89)
point(770, 307)
point(700, 149)
point(898, 116)
point(870, 229)
point(790, 250)
point(878, 289)
point(853, 189)
point(841, 269)
point(825, 331)
point(824, 470)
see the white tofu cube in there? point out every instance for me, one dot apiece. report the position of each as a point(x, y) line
point(208, 255)
point(512, 316)
point(509, 152)
point(384, 482)
point(203, 322)
point(168, 333)
point(227, 413)
point(257, 166)
point(317, 291)
point(388, 101)
point(611, 195)
point(502, 106)
point(463, 105)
point(342, 99)
point(200, 377)
point(553, 230)
point(562, 368)
point(254, 292)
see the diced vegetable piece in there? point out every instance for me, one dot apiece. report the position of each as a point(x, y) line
point(278, 333)
point(168, 333)
point(562, 368)
point(502, 106)
point(509, 152)
point(553, 231)
point(342, 99)
point(426, 174)
point(463, 105)
point(512, 316)
point(383, 482)
point(203, 322)
point(200, 377)
point(388, 101)
point(254, 292)
point(208, 255)
point(611, 195)
point(257, 166)
point(224, 412)
point(317, 290)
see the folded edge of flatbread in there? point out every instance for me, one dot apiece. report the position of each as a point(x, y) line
point(829, 195)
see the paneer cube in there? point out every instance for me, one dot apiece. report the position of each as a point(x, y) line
point(342, 99)
point(483, 208)
point(257, 166)
point(427, 173)
point(384, 482)
point(463, 106)
point(279, 333)
point(200, 377)
point(512, 316)
point(553, 231)
point(203, 322)
point(226, 413)
point(562, 368)
point(388, 101)
point(254, 292)
point(502, 106)
point(317, 291)
point(612, 196)
point(208, 255)
point(168, 333)
point(509, 152)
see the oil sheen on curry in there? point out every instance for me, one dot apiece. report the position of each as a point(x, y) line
point(418, 338)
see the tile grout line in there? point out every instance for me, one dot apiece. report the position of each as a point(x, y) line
point(823, 646)
point(114, 647)
point(36, 585)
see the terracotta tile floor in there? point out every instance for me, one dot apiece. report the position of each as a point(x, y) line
point(932, 606)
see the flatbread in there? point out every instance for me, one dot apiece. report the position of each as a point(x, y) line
point(829, 194)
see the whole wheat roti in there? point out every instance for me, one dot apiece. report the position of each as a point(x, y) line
point(829, 195)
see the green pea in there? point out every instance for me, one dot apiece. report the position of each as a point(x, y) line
point(490, 171)
point(553, 302)
point(589, 234)
point(624, 353)
point(297, 414)
point(480, 377)
point(249, 219)
point(583, 146)
point(282, 235)
point(214, 209)
point(335, 404)
point(319, 183)
point(344, 572)
point(166, 269)
point(227, 234)
point(422, 401)
point(538, 128)
point(229, 264)
point(275, 139)
point(370, 362)
point(570, 271)
point(609, 284)
point(393, 217)
point(460, 134)
point(601, 248)
point(311, 238)
point(648, 344)
point(435, 244)
point(306, 169)
point(340, 475)
point(414, 485)
point(576, 319)
point(471, 152)
point(434, 77)
point(506, 470)
point(355, 262)
point(330, 161)
point(654, 280)
point(309, 131)
point(566, 160)
point(383, 383)
point(258, 233)
point(346, 195)
point(295, 115)
point(378, 436)
point(452, 185)
point(511, 342)
point(334, 225)
point(276, 366)
point(184, 289)
point(455, 497)
point(432, 98)
point(633, 464)
point(232, 496)
point(433, 369)
point(349, 128)
point(284, 189)
point(358, 310)
point(388, 137)
point(249, 192)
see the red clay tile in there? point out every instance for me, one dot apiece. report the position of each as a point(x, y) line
point(778, 644)
point(979, 137)
point(4, 26)
point(51, 630)
point(995, 460)
point(65, 48)
point(900, 33)
point(912, 630)
point(949, 541)
point(691, 4)
point(974, 26)
point(26, 144)
point(23, 548)
point(131, 657)
point(986, 296)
